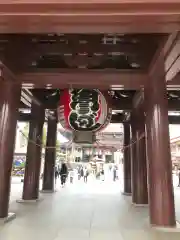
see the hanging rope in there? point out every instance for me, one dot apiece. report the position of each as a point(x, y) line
point(127, 146)
point(57, 147)
point(42, 145)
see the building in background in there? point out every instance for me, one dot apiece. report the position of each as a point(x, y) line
point(175, 152)
point(107, 148)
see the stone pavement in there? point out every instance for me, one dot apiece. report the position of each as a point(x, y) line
point(94, 211)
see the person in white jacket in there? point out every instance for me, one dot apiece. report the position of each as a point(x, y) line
point(71, 176)
point(86, 173)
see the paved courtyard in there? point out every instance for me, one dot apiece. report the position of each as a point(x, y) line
point(94, 211)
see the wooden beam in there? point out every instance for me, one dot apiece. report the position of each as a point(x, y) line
point(172, 63)
point(167, 58)
point(24, 117)
point(174, 119)
point(174, 105)
point(124, 104)
point(121, 104)
point(23, 105)
point(173, 52)
point(119, 118)
point(6, 74)
point(89, 16)
point(174, 83)
point(103, 79)
point(130, 7)
point(174, 70)
point(16, 24)
point(27, 95)
point(138, 99)
point(162, 53)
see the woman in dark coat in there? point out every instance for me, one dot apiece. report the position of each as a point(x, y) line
point(63, 173)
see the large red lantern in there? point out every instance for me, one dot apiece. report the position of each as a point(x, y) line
point(83, 110)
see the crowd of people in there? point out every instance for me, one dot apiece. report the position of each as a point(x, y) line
point(82, 172)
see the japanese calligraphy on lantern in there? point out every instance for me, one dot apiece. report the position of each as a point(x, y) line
point(83, 110)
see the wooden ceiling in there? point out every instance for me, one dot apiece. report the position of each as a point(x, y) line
point(54, 52)
point(88, 59)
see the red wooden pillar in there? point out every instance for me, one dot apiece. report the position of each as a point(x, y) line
point(127, 160)
point(33, 158)
point(161, 196)
point(139, 165)
point(9, 104)
point(133, 158)
point(50, 156)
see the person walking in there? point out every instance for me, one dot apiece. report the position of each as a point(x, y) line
point(56, 174)
point(63, 174)
point(86, 173)
point(114, 174)
point(71, 176)
point(79, 173)
point(179, 178)
point(82, 172)
point(102, 175)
